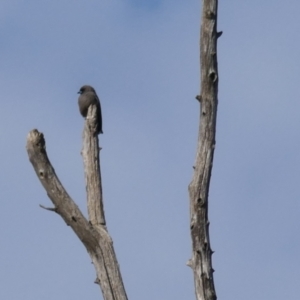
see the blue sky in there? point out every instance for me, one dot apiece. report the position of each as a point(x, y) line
point(142, 57)
point(145, 4)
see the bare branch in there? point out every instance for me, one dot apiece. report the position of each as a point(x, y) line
point(91, 160)
point(199, 186)
point(111, 284)
point(48, 208)
point(94, 236)
point(63, 203)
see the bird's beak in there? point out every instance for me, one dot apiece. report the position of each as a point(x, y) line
point(79, 92)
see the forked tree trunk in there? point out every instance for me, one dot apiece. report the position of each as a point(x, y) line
point(199, 186)
point(93, 232)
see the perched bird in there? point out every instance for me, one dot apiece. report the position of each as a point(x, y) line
point(87, 97)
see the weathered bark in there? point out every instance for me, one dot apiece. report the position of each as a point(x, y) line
point(199, 186)
point(92, 233)
point(91, 159)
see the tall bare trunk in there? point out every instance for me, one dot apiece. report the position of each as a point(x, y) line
point(199, 186)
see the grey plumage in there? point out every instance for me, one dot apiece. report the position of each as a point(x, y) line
point(87, 97)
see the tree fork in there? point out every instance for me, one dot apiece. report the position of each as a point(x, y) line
point(93, 232)
point(199, 186)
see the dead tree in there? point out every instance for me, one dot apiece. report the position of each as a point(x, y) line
point(199, 186)
point(93, 232)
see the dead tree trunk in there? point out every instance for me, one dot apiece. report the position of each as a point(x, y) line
point(93, 232)
point(199, 186)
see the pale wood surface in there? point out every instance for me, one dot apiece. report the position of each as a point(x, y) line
point(199, 186)
point(93, 232)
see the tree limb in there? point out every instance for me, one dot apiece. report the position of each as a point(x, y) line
point(199, 186)
point(92, 233)
point(91, 160)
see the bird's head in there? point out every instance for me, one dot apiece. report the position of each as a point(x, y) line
point(86, 88)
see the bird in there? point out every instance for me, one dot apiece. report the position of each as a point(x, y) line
point(88, 96)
